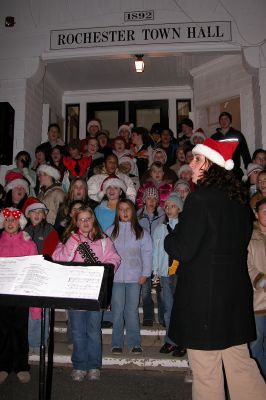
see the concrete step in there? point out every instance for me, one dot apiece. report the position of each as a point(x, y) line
point(150, 359)
point(61, 315)
point(150, 336)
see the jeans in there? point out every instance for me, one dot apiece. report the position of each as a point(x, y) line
point(258, 346)
point(87, 339)
point(125, 301)
point(148, 304)
point(34, 330)
point(168, 285)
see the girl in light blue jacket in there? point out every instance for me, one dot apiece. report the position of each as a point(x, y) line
point(134, 245)
point(172, 207)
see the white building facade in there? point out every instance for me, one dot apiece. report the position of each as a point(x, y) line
point(80, 52)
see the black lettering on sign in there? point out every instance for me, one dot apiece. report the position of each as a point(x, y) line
point(146, 15)
point(61, 39)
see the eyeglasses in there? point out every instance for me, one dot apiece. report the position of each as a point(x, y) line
point(85, 219)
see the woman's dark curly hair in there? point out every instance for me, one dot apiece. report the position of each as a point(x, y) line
point(219, 178)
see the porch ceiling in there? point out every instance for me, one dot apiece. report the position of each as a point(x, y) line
point(113, 72)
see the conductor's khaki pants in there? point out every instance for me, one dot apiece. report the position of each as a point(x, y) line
point(242, 374)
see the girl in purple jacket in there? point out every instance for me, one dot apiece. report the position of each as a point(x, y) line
point(134, 245)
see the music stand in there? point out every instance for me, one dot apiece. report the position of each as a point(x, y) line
point(43, 302)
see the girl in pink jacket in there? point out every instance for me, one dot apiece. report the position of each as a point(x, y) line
point(14, 319)
point(83, 231)
point(156, 180)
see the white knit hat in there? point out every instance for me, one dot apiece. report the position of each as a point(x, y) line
point(183, 168)
point(219, 152)
point(252, 167)
point(49, 170)
point(15, 213)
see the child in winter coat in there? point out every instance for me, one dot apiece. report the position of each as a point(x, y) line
point(257, 272)
point(84, 231)
point(134, 245)
point(14, 319)
point(172, 207)
point(45, 237)
point(156, 180)
point(150, 216)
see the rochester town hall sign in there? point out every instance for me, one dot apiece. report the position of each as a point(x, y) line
point(218, 31)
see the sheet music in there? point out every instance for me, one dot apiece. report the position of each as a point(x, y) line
point(34, 276)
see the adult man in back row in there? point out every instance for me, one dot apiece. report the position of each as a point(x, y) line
point(226, 132)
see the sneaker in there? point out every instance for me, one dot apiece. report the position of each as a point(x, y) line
point(107, 324)
point(136, 350)
point(189, 376)
point(23, 376)
point(147, 322)
point(78, 375)
point(117, 350)
point(167, 348)
point(179, 351)
point(94, 374)
point(3, 376)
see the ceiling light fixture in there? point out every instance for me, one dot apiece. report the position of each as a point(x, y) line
point(139, 63)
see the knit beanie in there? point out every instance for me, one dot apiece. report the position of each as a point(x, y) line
point(175, 198)
point(31, 204)
point(182, 182)
point(184, 168)
point(15, 179)
point(151, 192)
point(252, 167)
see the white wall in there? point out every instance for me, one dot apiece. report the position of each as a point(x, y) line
point(220, 80)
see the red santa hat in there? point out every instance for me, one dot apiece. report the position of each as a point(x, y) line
point(14, 213)
point(126, 125)
point(31, 204)
point(219, 152)
point(49, 170)
point(14, 179)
